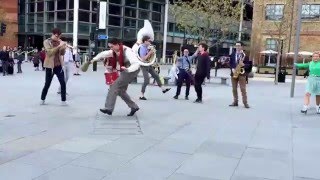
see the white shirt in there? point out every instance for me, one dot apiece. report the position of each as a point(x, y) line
point(68, 57)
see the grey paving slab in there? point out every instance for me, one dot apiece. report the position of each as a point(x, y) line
point(134, 172)
point(80, 145)
point(180, 146)
point(209, 166)
point(264, 163)
point(48, 159)
point(232, 150)
point(128, 146)
point(19, 171)
point(248, 178)
point(68, 172)
point(177, 176)
point(160, 159)
point(101, 160)
point(302, 178)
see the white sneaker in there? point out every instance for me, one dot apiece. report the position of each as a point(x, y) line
point(42, 102)
point(64, 103)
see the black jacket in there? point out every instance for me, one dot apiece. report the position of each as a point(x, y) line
point(203, 65)
point(4, 55)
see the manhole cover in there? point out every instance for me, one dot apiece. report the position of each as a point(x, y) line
point(10, 115)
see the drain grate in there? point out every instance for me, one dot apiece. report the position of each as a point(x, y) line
point(116, 125)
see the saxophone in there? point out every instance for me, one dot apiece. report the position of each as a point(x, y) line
point(239, 69)
point(174, 56)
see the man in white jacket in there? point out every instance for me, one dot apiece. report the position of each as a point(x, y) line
point(124, 60)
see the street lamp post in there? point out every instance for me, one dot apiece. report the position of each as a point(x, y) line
point(96, 42)
point(75, 25)
point(165, 29)
point(296, 48)
point(241, 20)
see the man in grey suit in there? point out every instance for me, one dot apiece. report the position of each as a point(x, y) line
point(124, 60)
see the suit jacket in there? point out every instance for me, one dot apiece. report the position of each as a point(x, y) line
point(51, 52)
point(246, 61)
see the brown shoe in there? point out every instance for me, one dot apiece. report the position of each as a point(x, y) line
point(246, 106)
point(234, 104)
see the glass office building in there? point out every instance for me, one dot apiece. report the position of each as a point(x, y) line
point(124, 18)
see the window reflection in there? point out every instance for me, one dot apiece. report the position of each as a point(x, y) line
point(114, 10)
point(61, 4)
point(50, 5)
point(115, 21)
point(114, 32)
point(129, 12)
point(132, 3)
point(143, 14)
point(144, 4)
point(61, 16)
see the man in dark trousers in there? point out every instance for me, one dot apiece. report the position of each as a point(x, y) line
point(4, 57)
point(203, 70)
point(238, 57)
point(184, 66)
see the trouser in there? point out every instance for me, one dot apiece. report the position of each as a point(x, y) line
point(241, 80)
point(19, 67)
point(198, 81)
point(4, 67)
point(183, 75)
point(58, 71)
point(119, 88)
point(145, 71)
point(42, 62)
point(66, 69)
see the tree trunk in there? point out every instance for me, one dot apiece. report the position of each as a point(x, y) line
point(277, 68)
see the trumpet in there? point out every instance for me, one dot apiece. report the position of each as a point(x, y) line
point(239, 69)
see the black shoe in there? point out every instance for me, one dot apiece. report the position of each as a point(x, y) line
point(166, 90)
point(186, 98)
point(175, 97)
point(106, 111)
point(198, 101)
point(234, 104)
point(133, 111)
point(143, 98)
point(246, 106)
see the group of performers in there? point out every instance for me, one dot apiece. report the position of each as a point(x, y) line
point(124, 63)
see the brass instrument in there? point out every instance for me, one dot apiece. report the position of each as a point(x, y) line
point(239, 69)
point(153, 56)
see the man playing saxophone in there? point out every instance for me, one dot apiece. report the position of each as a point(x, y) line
point(238, 74)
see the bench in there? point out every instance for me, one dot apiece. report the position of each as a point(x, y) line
point(223, 80)
point(166, 80)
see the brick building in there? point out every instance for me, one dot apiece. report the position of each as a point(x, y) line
point(9, 15)
point(268, 15)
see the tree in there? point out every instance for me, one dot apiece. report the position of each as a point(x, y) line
point(203, 20)
point(281, 27)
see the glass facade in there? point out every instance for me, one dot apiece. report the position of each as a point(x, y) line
point(124, 18)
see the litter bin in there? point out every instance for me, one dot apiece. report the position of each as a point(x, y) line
point(282, 75)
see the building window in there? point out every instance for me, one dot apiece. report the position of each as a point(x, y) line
point(143, 14)
point(274, 12)
point(40, 6)
point(114, 21)
point(130, 12)
point(129, 33)
point(39, 17)
point(61, 16)
point(114, 32)
point(30, 27)
point(84, 16)
point(171, 27)
point(70, 4)
point(143, 4)
point(115, 1)
point(62, 27)
point(130, 23)
point(50, 5)
point(271, 44)
point(50, 17)
point(156, 7)
point(61, 4)
point(156, 26)
point(31, 18)
point(116, 10)
point(132, 3)
point(84, 28)
point(31, 7)
point(39, 28)
point(84, 4)
point(49, 27)
point(94, 17)
point(311, 11)
point(70, 15)
point(156, 17)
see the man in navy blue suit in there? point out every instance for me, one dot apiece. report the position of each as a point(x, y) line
point(238, 57)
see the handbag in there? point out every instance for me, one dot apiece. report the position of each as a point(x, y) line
point(111, 77)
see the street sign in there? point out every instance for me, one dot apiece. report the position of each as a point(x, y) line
point(102, 36)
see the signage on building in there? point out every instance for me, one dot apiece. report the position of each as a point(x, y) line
point(103, 15)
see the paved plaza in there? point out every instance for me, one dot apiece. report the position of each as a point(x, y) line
point(167, 139)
